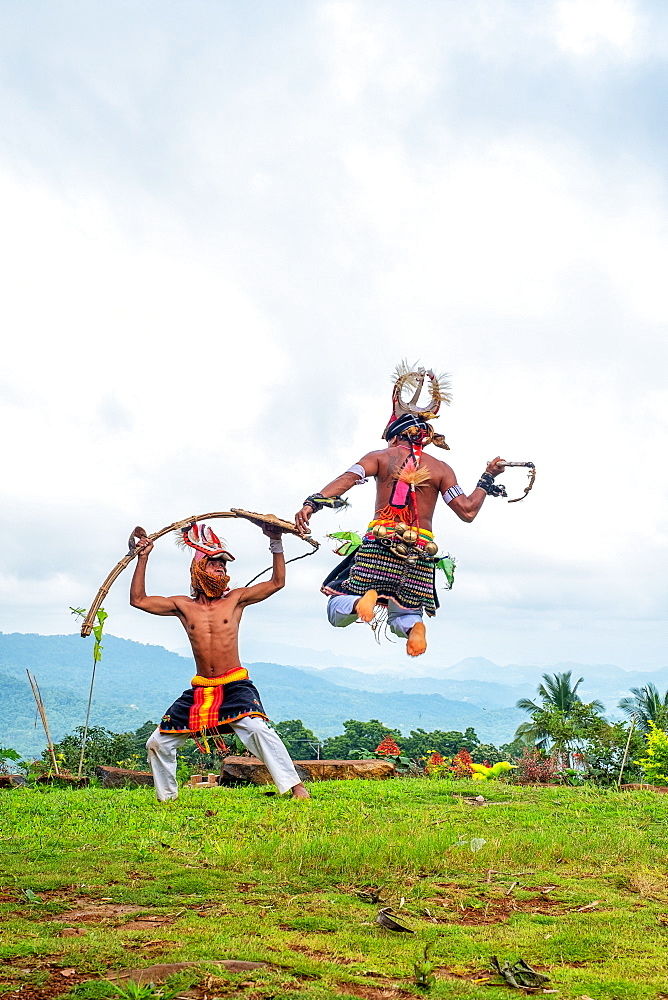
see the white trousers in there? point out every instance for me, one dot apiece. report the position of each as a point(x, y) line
point(340, 613)
point(262, 741)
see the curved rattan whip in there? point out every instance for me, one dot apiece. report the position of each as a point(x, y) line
point(287, 526)
point(532, 477)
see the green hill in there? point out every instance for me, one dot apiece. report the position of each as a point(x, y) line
point(136, 682)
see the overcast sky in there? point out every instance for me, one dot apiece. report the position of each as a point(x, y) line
point(224, 223)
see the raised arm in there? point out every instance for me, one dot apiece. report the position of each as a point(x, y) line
point(334, 490)
point(138, 596)
point(467, 507)
point(261, 591)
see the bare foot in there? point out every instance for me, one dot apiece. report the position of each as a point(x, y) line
point(365, 608)
point(299, 792)
point(417, 640)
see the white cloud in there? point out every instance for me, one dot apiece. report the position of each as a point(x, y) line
point(584, 26)
point(212, 320)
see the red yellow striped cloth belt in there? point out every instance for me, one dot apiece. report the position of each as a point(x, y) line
point(389, 522)
point(209, 694)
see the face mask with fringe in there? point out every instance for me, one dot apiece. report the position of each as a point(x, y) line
point(209, 584)
point(207, 546)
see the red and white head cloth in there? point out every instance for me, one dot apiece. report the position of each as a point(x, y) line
point(204, 541)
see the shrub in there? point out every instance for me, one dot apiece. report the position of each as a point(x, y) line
point(603, 752)
point(535, 767)
point(388, 748)
point(462, 765)
point(436, 766)
point(655, 761)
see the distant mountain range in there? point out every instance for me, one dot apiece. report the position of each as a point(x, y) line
point(136, 682)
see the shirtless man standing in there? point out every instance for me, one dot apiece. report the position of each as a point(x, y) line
point(395, 564)
point(222, 699)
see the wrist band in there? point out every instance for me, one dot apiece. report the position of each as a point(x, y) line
point(276, 546)
point(492, 489)
point(317, 501)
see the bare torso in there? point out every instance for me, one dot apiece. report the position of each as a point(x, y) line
point(213, 630)
point(390, 461)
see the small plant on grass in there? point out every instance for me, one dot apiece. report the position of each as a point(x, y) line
point(536, 768)
point(144, 991)
point(655, 761)
point(424, 968)
point(387, 749)
point(6, 754)
point(101, 616)
point(436, 766)
point(462, 765)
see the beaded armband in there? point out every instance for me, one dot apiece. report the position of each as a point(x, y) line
point(492, 489)
point(317, 501)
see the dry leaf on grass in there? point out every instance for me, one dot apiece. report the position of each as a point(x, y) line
point(520, 975)
point(388, 923)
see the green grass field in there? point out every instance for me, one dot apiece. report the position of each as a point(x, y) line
point(572, 880)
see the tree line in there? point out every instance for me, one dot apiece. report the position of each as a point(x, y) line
point(559, 723)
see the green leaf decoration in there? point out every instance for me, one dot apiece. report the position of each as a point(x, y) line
point(447, 565)
point(351, 542)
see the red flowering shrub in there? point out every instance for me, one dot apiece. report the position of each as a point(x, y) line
point(388, 747)
point(434, 764)
point(461, 765)
point(534, 767)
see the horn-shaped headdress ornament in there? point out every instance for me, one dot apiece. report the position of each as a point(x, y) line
point(410, 413)
point(204, 540)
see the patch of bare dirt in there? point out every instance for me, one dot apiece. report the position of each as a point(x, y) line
point(373, 992)
point(477, 976)
point(148, 923)
point(61, 980)
point(85, 910)
point(158, 973)
point(323, 956)
point(494, 911)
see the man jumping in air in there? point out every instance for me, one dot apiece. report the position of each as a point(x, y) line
point(395, 564)
point(222, 699)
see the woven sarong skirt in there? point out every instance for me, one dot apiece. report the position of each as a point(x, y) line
point(210, 708)
point(373, 567)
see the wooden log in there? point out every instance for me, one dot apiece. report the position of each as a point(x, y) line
point(116, 777)
point(342, 770)
point(12, 780)
point(250, 770)
point(637, 787)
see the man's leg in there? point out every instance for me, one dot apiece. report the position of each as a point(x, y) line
point(408, 625)
point(344, 609)
point(265, 744)
point(161, 749)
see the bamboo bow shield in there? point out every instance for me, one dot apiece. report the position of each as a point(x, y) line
point(286, 526)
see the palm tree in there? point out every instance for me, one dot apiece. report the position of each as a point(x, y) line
point(558, 692)
point(647, 704)
point(559, 719)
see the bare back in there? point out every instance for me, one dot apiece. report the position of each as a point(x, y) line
point(387, 463)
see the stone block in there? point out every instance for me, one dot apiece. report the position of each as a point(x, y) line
point(117, 777)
